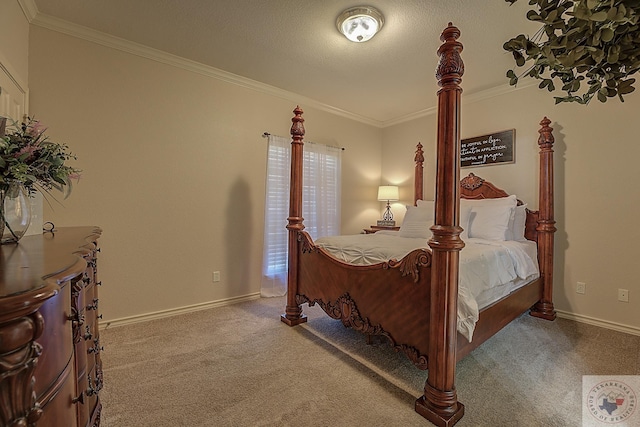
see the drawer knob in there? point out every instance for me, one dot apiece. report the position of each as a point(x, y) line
point(79, 399)
point(97, 348)
point(76, 318)
point(93, 306)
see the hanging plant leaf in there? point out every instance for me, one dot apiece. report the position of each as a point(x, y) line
point(599, 16)
point(595, 42)
point(519, 58)
point(626, 87)
point(533, 16)
point(606, 34)
point(592, 3)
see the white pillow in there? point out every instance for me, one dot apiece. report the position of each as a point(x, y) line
point(465, 212)
point(465, 216)
point(426, 204)
point(519, 222)
point(490, 222)
point(416, 222)
point(509, 201)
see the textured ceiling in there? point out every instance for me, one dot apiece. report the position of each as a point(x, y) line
point(294, 44)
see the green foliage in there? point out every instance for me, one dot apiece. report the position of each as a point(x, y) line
point(27, 156)
point(588, 47)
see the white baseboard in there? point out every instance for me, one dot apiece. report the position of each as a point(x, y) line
point(633, 330)
point(627, 329)
point(175, 311)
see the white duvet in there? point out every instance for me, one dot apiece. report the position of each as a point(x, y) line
point(489, 269)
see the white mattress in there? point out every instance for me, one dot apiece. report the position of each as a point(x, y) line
point(489, 270)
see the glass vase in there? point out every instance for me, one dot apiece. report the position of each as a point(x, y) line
point(15, 212)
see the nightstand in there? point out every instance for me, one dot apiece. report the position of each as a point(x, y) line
point(375, 228)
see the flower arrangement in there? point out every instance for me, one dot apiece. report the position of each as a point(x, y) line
point(27, 156)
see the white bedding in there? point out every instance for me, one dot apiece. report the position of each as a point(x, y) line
point(489, 269)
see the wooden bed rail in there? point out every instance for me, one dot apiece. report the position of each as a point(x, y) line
point(439, 403)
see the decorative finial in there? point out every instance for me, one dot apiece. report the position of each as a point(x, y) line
point(419, 157)
point(450, 68)
point(546, 132)
point(297, 128)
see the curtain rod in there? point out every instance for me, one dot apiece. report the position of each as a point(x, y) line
point(267, 134)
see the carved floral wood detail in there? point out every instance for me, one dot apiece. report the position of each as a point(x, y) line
point(411, 263)
point(345, 310)
point(450, 67)
point(18, 406)
point(471, 182)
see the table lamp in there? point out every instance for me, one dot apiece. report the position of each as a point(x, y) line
point(388, 193)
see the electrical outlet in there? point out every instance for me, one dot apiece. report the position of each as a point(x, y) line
point(623, 295)
point(216, 276)
point(581, 288)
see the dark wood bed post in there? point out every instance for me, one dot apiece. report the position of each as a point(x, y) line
point(439, 403)
point(546, 223)
point(418, 184)
point(293, 313)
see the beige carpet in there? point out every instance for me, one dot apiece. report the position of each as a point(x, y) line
point(240, 366)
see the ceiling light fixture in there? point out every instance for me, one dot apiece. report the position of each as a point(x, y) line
point(360, 23)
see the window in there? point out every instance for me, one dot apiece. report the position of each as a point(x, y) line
point(320, 206)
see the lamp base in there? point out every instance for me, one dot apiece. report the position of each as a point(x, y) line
point(386, 223)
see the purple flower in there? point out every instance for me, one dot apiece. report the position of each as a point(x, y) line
point(35, 129)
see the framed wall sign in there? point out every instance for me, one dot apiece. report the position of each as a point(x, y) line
point(498, 147)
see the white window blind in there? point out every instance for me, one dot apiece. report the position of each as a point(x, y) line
point(320, 207)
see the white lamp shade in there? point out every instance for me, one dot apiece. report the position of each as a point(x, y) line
point(388, 192)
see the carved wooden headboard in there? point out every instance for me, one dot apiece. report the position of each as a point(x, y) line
point(474, 187)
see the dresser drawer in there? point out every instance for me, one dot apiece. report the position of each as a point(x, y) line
point(60, 410)
point(56, 341)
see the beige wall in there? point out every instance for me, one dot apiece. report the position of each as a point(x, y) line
point(174, 173)
point(14, 33)
point(596, 209)
point(174, 170)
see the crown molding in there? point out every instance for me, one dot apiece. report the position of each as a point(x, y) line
point(466, 99)
point(29, 9)
point(88, 34)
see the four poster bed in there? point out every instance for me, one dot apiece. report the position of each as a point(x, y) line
point(413, 300)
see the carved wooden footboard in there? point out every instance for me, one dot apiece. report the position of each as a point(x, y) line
point(389, 299)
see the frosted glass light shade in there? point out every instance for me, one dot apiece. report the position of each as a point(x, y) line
point(388, 193)
point(359, 24)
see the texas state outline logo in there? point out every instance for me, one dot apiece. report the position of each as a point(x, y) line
point(612, 401)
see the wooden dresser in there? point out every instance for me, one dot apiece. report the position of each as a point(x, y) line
point(50, 367)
